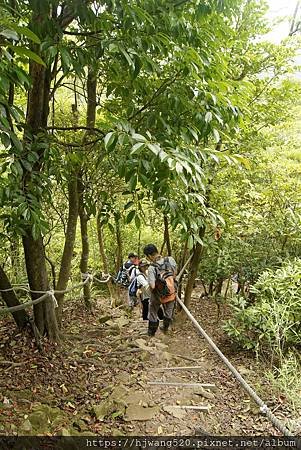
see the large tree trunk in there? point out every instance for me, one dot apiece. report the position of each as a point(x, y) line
point(36, 124)
point(193, 270)
point(69, 242)
point(20, 317)
point(36, 120)
point(44, 313)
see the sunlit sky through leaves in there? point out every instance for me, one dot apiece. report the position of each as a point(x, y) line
point(278, 9)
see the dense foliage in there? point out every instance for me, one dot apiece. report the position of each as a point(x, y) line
point(272, 323)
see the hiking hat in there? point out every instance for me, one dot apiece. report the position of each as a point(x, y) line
point(143, 263)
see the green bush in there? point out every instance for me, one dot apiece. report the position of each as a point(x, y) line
point(286, 380)
point(272, 325)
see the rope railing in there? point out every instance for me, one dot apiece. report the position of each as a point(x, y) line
point(86, 277)
point(263, 407)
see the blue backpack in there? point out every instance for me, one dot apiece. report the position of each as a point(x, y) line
point(133, 287)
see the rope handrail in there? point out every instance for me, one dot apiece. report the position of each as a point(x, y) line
point(87, 277)
point(263, 407)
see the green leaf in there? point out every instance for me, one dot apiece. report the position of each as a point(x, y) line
point(9, 34)
point(179, 167)
point(154, 148)
point(137, 66)
point(130, 216)
point(25, 32)
point(19, 167)
point(137, 221)
point(216, 135)
point(139, 137)
point(208, 117)
point(128, 205)
point(25, 52)
point(5, 139)
point(35, 231)
point(137, 146)
point(17, 144)
point(193, 133)
point(26, 165)
point(133, 183)
point(110, 140)
point(127, 57)
point(163, 155)
point(214, 157)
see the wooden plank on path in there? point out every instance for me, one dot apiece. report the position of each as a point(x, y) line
point(159, 369)
point(188, 385)
point(198, 408)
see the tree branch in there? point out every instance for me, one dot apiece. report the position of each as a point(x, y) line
point(156, 94)
point(77, 128)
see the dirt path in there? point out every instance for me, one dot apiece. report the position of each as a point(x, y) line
point(97, 381)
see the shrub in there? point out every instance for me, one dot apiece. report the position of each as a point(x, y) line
point(272, 324)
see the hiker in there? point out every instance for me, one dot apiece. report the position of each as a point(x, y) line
point(139, 289)
point(161, 280)
point(125, 273)
point(132, 267)
point(143, 292)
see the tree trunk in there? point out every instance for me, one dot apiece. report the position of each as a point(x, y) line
point(162, 246)
point(83, 216)
point(166, 236)
point(139, 242)
point(105, 265)
point(181, 265)
point(36, 122)
point(85, 241)
point(53, 271)
point(118, 242)
point(91, 99)
point(193, 270)
point(69, 242)
point(10, 299)
point(227, 288)
point(218, 287)
point(44, 313)
point(102, 252)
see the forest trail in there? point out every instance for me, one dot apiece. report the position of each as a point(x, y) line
point(97, 382)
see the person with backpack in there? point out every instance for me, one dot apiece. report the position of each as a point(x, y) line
point(127, 270)
point(133, 272)
point(139, 290)
point(161, 279)
point(143, 291)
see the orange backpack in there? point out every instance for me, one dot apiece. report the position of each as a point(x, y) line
point(165, 285)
